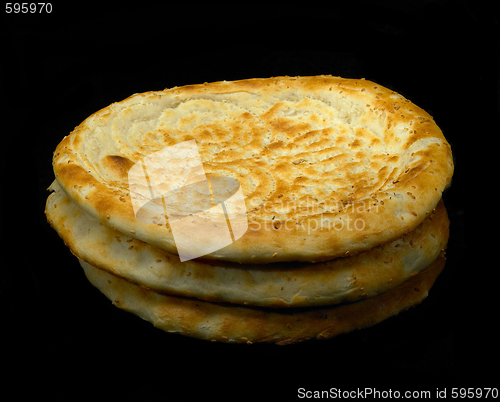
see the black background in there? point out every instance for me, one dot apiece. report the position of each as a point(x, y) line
point(63, 340)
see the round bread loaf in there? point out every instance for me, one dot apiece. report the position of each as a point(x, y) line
point(240, 324)
point(327, 166)
point(284, 284)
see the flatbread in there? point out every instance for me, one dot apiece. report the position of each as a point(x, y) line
point(279, 285)
point(327, 166)
point(230, 323)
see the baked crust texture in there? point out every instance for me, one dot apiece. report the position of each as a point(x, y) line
point(240, 324)
point(284, 284)
point(328, 166)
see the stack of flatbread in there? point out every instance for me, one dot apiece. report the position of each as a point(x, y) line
point(261, 210)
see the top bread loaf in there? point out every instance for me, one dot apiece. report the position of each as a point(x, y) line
point(327, 166)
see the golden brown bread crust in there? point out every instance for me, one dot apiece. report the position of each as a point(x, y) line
point(347, 279)
point(328, 166)
point(230, 323)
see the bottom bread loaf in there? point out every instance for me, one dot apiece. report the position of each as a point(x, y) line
point(228, 322)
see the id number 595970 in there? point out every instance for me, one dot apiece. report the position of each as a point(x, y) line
point(25, 8)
